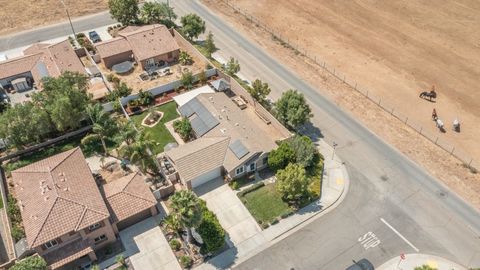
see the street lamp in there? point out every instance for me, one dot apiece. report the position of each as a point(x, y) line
point(68, 15)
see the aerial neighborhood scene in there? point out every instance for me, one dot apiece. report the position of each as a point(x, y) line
point(239, 134)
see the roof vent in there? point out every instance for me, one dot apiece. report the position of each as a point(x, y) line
point(237, 124)
point(223, 130)
point(46, 198)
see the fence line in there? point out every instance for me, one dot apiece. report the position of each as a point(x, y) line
point(434, 138)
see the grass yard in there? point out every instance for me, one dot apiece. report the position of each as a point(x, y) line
point(159, 133)
point(265, 204)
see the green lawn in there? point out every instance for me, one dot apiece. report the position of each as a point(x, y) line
point(265, 204)
point(159, 132)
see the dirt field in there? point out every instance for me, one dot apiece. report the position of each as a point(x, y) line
point(395, 49)
point(18, 15)
point(408, 141)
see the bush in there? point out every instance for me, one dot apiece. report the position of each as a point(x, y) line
point(184, 128)
point(110, 77)
point(279, 158)
point(80, 35)
point(264, 226)
point(186, 261)
point(211, 231)
point(175, 244)
point(30, 263)
point(234, 185)
point(17, 232)
point(250, 189)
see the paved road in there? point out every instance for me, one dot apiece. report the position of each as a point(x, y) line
point(390, 196)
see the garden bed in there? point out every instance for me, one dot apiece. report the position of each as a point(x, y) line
point(152, 119)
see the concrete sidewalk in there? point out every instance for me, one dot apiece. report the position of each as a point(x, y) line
point(334, 184)
point(416, 260)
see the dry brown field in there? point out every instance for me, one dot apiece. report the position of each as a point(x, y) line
point(18, 15)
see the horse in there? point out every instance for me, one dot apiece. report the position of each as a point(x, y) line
point(456, 125)
point(430, 95)
point(439, 125)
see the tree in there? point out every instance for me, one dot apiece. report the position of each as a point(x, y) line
point(210, 45)
point(292, 109)
point(172, 223)
point(187, 79)
point(212, 233)
point(305, 151)
point(30, 263)
point(64, 99)
point(232, 67)
point(185, 205)
point(24, 124)
point(145, 98)
point(103, 126)
point(281, 157)
point(121, 90)
point(139, 153)
point(184, 58)
point(425, 267)
point(184, 128)
point(202, 77)
point(259, 91)
point(292, 182)
point(124, 11)
point(192, 25)
point(126, 131)
point(154, 12)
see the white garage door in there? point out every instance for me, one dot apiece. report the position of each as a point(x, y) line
point(204, 178)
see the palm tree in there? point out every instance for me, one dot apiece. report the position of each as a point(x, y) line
point(186, 208)
point(139, 153)
point(103, 126)
point(172, 223)
point(126, 131)
point(184, 58)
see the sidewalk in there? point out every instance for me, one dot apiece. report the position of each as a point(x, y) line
point(335, 182)
point(415, 260)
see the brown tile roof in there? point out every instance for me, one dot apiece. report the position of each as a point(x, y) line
point(57, 58)
point(68, 253)
point(150, 41)
point(200, 156)
point(113, 47)
point(57, 195)
point(128, 196)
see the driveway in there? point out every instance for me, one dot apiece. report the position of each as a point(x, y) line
point(147, 247)
point(231, 212)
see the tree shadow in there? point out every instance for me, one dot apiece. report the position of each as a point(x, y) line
point(311, 131)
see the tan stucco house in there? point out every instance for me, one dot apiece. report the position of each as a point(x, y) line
point(67, 215)
point(232, 139)
point(148, 45)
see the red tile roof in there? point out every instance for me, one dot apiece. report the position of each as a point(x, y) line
point(128, 196)
point(57, 195)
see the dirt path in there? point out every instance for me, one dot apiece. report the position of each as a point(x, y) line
point(395, 49)
point(428, 155)
point(18, 15)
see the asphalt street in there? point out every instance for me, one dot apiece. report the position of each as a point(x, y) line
point(393, 206)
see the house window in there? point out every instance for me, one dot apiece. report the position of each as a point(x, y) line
point(251, 167)
point(239, 170)
point(100, 239)
point(94, 227)
point(51, 244)
point(265, 160)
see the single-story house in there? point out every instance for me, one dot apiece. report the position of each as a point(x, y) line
point(39, 61)
point(150, 46)
point(232, 141)
point(67, 216)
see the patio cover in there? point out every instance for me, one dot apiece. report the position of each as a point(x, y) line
point(67, 253)
point(186, 97)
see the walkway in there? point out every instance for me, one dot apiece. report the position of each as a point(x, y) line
point(334, 184)
point(414, 260)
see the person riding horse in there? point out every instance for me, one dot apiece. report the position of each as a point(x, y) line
point(434, 115)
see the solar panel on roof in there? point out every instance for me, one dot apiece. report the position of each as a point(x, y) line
point(238, 149)
point(204, 120)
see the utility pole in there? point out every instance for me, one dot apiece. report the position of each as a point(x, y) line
point(70, 20)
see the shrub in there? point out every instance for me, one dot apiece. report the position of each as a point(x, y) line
point(211, 231)
point(175, 244)
point(234, 185)
point(275, 221)
point(17, 232)
point(281, 157)
point(264, 226)
point(184, 128)
point(250, 189)
point(145, 97)
point(30, 263)
point(186, 261)
point(110, 77)
point(80, 35)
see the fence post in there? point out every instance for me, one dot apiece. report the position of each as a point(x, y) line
point(470, 163)
point(453, 148)
point(421, 128)
point(367, 94)
point(392, 111)
point(436, 140)
point(355, 85)
point(406, 121)
point(379, 101)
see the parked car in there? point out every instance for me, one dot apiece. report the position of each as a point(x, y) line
point(363, 264)
point(94, 37)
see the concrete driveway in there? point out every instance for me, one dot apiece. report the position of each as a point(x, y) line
point(147, 247)
point(231, 212)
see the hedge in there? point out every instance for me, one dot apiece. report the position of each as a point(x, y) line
point(250, 189)
point(210, 230)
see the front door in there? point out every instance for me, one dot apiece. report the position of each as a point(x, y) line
point(150, 63)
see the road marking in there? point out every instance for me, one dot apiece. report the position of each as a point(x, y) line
point(400, 235)
point(369, 240)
